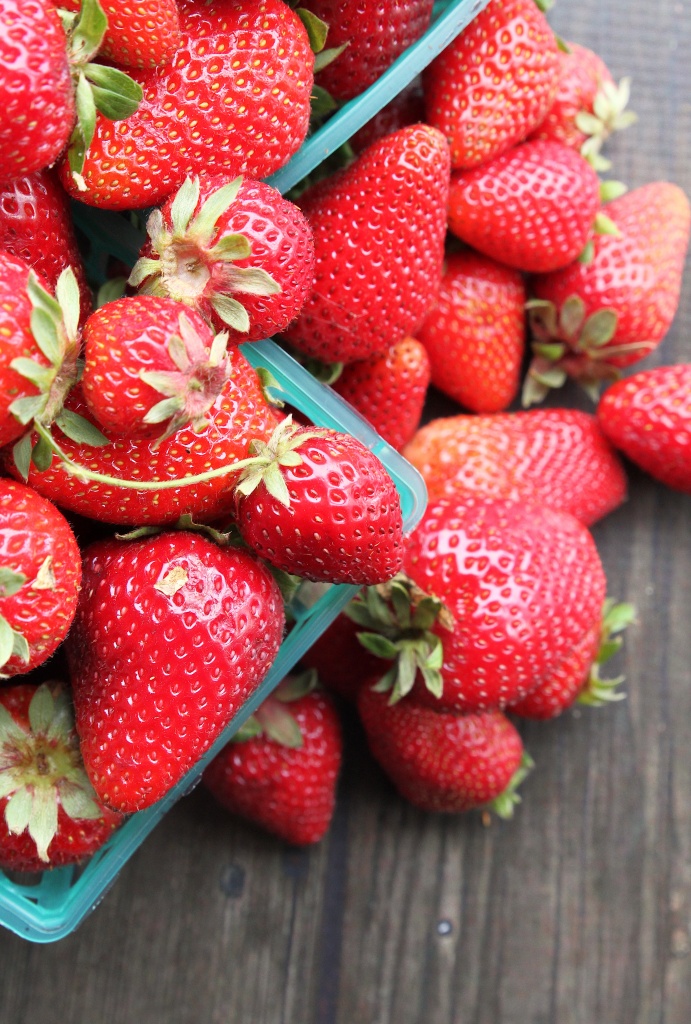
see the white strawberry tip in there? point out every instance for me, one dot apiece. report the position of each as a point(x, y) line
point(194, 264)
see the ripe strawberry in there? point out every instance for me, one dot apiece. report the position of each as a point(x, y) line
point(40, 574)
point(577, 678)
point(524, 585)
point(239, 414)
point(318, 504)
point(280, 769)
point(50, 814)
point(648, 417)
point(444, 761)
point(588, 105)
point(392, 199)
point(36, 226)
point(556, 457)
point(141, 35)
point(474, 332)
point(389, 390)
point(591, 319)
point(236, 251)
point(172, 634)
point(373, 33)
point(140, 348)
point(494, 83)
point(235, 99)
point(532, 207)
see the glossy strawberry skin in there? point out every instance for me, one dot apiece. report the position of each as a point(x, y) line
point(440, 761)
point(391, 199)
point(375, 32)
point(36, 92)
point(494, 83)
point(532, 207)
point(289, 791)
point(524, 584)
point(556, 457)
point(36, 226)
point(199, 114)
point(648, 417)
point(582, 75)
point(474, 333)
point(389, 390)
point(159, 670)
point(35, 536)
point(145, 34)
point(344, 524)
point(561, 688)
point(239, 414)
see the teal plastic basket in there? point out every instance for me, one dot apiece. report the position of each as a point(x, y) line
point(53, 906)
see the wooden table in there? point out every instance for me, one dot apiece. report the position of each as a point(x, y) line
point(576, 912)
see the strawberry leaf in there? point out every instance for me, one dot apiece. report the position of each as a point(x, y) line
point(79, 429)
point(115, 94)
point(11, 582)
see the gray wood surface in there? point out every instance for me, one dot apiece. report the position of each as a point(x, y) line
point(576, 912)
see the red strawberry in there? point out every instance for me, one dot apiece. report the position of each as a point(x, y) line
point(236, 251)
point(577, 677)
point(172, 634)
point(588, 105)
point(50, 814)
point(138, 350)
point(36, 226)
point(532, 207)
point(373, 33)
point(389, 390)
point(140, 35)
point(475, 332)
point(524, 585)
point(444, 761)
point(235, 99)
point(556, 457)
point(40, 574)
point(280, 770)
point(648, 417)
point(318, 504)
point(494, 83)
point(591, 319)
point(391, 200)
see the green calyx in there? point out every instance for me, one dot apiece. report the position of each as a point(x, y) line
point(505, 804)
point(12, 643)
point(598, 692)
point(41, 768)
point(192, 261)
point(397, 619)
point(609, 114)
point(98, 88)
point(269, 457)
point(273, 718)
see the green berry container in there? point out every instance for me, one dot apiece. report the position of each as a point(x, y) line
point(48, 907)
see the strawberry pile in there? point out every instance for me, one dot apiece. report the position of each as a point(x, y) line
point(159, 507)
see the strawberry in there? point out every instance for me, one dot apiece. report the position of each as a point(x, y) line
point(200, 112)
point(577, 679)
point(318, 504)
point(236, 251)
point(588, 105)
point(556, 457)
point(36, 226)
point(140, 35)
point(172, 634)
point(444, 761)
point(523, 583)
point(592, 318)
point(391, 200)
point(280, 769)
point(140, 348)
point(340, 661)
point(494, 83)
point(372, 34)
point(532, 207)
point(648, 417)
point(474, 332)
point(49, 812)
point(389, 390)
point(40, 575)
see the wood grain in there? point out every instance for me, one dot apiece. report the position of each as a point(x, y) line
point(576, 912)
